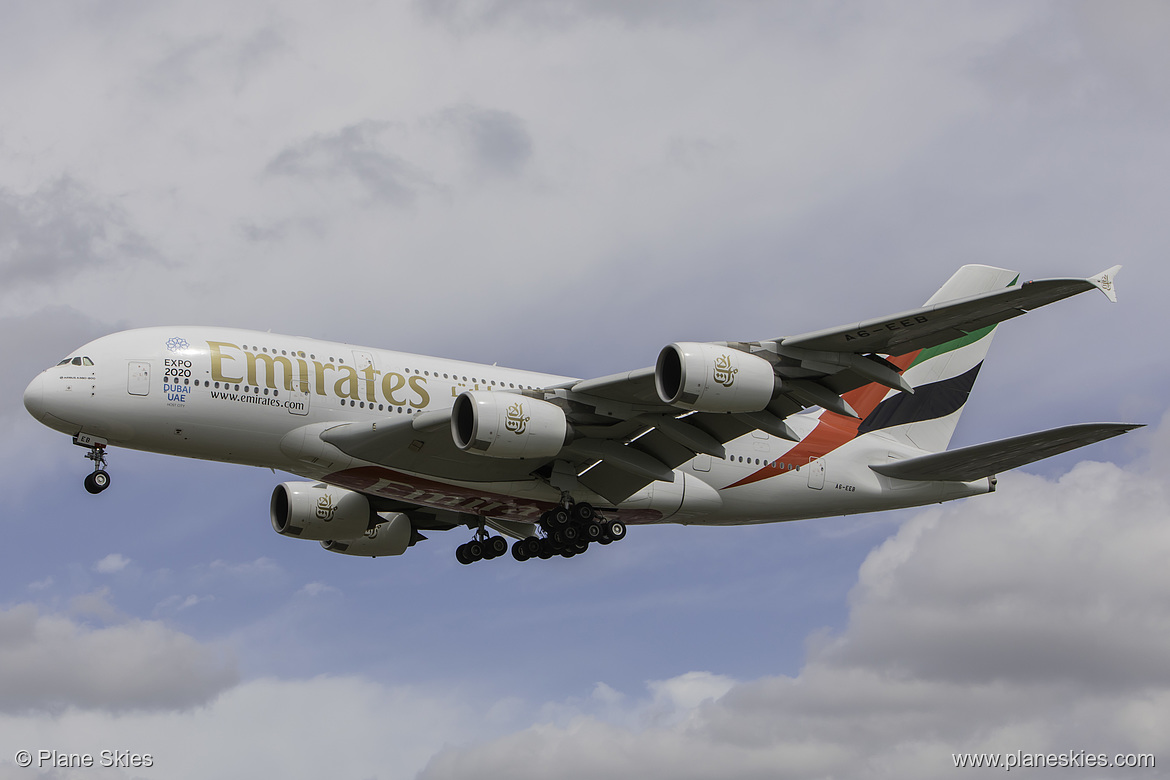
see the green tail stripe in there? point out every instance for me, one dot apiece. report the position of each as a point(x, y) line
point(942, 349)
point(962, 341)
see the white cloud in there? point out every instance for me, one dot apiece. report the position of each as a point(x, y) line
point(322, 727)
point(1037, 619)
point(111, 564)
point(177, 603)
point(51, 662)
point(317, 589)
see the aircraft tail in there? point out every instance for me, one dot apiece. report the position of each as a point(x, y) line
point(942, 376)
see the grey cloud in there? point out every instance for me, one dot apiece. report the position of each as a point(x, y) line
point(497, 141)
point(1035, 619)
point(358, 154)
point(61, 229)
point(178, 69)
point(463, 15)
point(51, 662)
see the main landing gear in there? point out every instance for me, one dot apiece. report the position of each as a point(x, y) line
point(568, 531)
point(482, 548)
point(99, 480)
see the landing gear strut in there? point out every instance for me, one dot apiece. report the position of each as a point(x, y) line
point(99, 480)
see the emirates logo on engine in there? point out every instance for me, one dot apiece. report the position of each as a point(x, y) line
point(514, 419)
point(724, 373)
point(326, 509)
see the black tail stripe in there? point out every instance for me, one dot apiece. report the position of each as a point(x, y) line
point(928, 402)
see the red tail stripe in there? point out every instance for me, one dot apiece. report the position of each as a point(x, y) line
point(832, 429)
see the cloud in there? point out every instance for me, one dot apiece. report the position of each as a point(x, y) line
point(63, 229)
point(358, 154)
point(470, 15)
point(495, 141)
point(1036, 619)
point(176, 603)
point(51, 663)
point(111, 564)
point(326, 726)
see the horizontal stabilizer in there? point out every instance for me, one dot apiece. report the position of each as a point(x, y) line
point(967, 464)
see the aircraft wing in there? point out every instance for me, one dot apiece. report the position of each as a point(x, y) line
point(626, 437)
point(982, 460)
point(930, 326)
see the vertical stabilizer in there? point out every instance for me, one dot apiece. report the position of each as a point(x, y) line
point(943, 375)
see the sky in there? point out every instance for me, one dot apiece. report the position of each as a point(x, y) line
point(567, 186)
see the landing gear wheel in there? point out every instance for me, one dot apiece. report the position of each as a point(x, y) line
point(474, 550)
point(495, 547)
point(570, 533)
point(592, 531)
point(520, 550)
point(462, 556)
point(617, 531)
point(532, 546)
point(97, 482)
point(583, 512)
point(558, 518)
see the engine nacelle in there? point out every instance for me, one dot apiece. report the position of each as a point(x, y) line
point(390, 537)
point(711, 378)
point(507, 425)
point(314, 510)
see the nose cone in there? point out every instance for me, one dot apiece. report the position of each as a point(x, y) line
point(34, 397)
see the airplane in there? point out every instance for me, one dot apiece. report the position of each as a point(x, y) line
point(845, 420)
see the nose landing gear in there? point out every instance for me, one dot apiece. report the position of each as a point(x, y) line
point(99, 480)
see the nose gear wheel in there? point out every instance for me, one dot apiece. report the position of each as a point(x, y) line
point(99, 480)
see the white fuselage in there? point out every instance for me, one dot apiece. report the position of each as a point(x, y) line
point(262, 399)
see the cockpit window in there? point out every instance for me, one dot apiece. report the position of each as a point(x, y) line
point(86, 361)
point(76, 361)
point(64, 362)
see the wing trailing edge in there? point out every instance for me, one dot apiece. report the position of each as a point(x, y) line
point(967, 464)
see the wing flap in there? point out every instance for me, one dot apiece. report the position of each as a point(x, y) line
point(967, 464)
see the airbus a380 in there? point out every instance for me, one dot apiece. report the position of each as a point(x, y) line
point(839, 421)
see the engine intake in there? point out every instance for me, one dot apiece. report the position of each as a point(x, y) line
point(314, 510)
point(507, 425)
point(390, 537)
point(711, 378)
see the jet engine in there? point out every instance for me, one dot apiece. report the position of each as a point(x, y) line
point(390, 537)
point(507, 425)
point(712, 378)
point(314, 510)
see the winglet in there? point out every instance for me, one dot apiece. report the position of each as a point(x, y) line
point(1104, 282)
